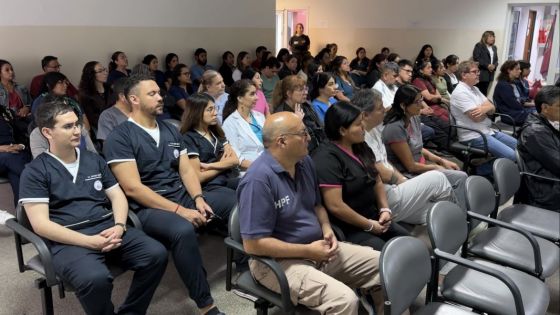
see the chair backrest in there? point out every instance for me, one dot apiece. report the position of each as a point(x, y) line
point(481, 197)
point(447, 226)
point(520, 163)
point(507, 178)
point(174, 122)
point(23, 220)
point(405, 269)
point(234, 229)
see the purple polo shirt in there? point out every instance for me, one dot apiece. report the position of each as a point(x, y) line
point(272, 204)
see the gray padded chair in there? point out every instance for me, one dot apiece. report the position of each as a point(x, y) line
point(174, 122)
point(405, 268)
point(481, 285)
point(503, 242)
point(541, 222)
point(266, 298)
point(42, 262)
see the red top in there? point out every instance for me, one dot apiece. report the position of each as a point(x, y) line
point(14, 101)
point(35, 87)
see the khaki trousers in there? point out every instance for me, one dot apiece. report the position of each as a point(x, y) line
point(326, 288)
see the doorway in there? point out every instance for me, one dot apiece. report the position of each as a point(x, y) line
point(286, 21)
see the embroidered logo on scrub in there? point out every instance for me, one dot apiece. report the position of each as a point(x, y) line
point(97, 185)
point(176, 146)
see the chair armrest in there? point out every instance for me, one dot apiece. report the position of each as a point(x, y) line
point(489, 271)
point(508, 117)
point(526, 234)
point(540, 176)
point(41, 247)
point(273, 265)
point(485, 141)
point(134, 220)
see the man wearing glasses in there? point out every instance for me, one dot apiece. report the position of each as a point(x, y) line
point(49, 64)
point(471, 109)
point(281, 216)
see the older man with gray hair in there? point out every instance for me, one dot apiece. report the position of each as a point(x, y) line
point(386, 85)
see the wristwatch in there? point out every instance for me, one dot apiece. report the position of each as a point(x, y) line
point(121, 225)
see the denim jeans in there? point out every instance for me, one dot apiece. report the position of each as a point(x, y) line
point(500, 145)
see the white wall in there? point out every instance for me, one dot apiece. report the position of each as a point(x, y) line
point(82, 30)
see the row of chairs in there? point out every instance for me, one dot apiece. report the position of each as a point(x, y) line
point(500, 271)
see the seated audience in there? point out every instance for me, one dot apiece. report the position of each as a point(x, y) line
point(323, 58)
point(94, 92)
point(211, 156)
point(292, 226)
point(282, 56)
point(352, 190)
point(507, 97)
point(409, 199)
point(212, 83)
point(333, 50)
point(290, 67)
point(73, 216)
point(450, 63)
point(386, 51)
point(538, 146)
point(149, 160)
point(386, 85)
point(261, 106)
point(522, 83)
point(359, 67)
point(430, 94)
point(403, 141)
point(323, 92)
point(49, 64)
point(243, 63)
point(199, 67)
point(374, 69)
point(259, 54)
point(117, 68)
point(290, 95)
point(116, 114)
point(227, 67)
point(393, 57)
point(269, 75)
point(304, 71)
point(439, 82)
point(299, 43)
point(340, 68)
point(171, 60)
point(14, 98)
point(153, 64)
point(13, 153)
point(242, 124)
point(179, 90)
point(426, 54)
point(471, 109)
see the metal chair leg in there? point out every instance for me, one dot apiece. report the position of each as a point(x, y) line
point(46, 296)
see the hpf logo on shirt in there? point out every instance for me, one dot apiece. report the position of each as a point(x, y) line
point(282, 202)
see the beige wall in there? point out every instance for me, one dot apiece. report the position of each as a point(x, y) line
point(81, 30)
point(450, 26)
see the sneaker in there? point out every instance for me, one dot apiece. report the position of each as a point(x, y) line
point(244, 294)
point(5, 216)
point(215, 311)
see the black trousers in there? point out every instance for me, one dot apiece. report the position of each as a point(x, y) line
point(441, 130)
point(86, 270)
point(11, 166)
point(376, 241)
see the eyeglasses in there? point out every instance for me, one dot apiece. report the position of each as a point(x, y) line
point(101, 70)
point(407, 70)
point(57, 66)
point(302, 133)
point(210, 109)
point(477, 71)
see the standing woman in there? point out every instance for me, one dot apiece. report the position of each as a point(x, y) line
point(243, 63)
point(94, 92)
point(243, 125)
point(451, 62)
point(153, 64)
point(486, 54)
point(212, 83)
point(117, 67)
point(351, 187)
point(340, 67)
point(299, 43)
point(179, 90)
point(290, 95)
point(14, 97)
point(255, 77)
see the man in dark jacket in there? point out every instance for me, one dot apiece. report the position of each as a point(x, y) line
point(539, 147)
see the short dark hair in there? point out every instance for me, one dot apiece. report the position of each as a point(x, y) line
point(46, 113)
point(271, 62)
point(133, 81)
point(199, 51)
point(148, 59)
point(523, 64)
point(259, 49)
point(547, 95)
point(50, 80)
point(405, 62)
point(45, 61)
point(119, 86)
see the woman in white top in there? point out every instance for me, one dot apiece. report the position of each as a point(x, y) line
point(243, 125)
point(212, 83)
point(243, 63)
point(451, 62)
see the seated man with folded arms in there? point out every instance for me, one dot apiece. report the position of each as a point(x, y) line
point(150, 161)
point(281, 216)
point(409, 199)
point(65, 192)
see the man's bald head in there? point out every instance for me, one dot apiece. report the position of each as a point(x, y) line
point(277, 124)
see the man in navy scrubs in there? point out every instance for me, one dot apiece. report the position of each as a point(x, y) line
point(149, 159)
point(65, 191)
